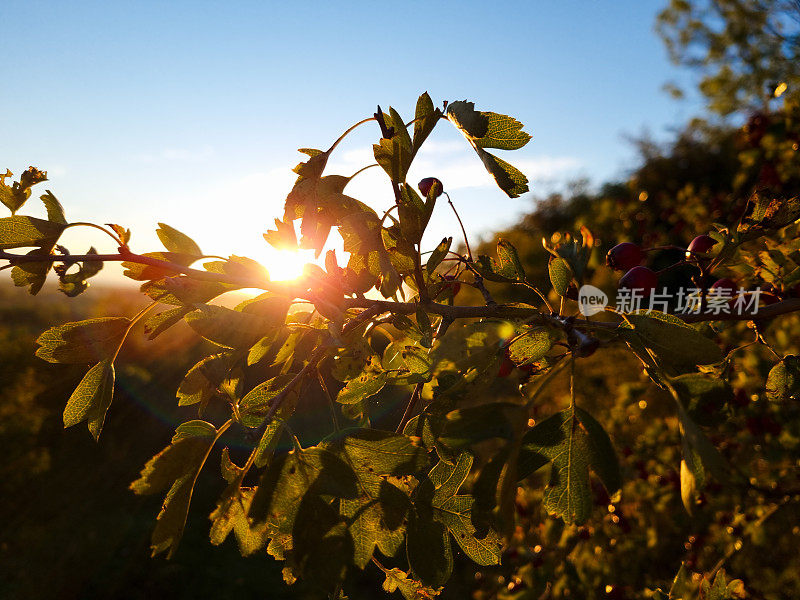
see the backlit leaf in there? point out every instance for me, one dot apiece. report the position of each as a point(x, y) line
point(175, 241)
point(575, 443)
point(20, 232)
point(91, 398)
point(82, 342)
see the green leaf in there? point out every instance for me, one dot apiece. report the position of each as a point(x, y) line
point(454, 511)
point(229, 328)
point(15, 195)
point(230, 515)
point(413, 213)
point(575, 443)
point(530, 346)
point(55, 212)
point(438, 255)
point(394, 155)
point(560, 275)
point(176, 467)
point(175, 241)
point(467, 426)
point(74, 283)
point(487, 129)
point(783, 381)
point(696, 444)
point(182, 290)
point(20, 232)
point(141, 272)
point(509, 259)
point(91, 399)
point(767, 215)
point(291, 479)
point(672, 340)
point(254, 407)
point(158, 323)
point(507, 267)
point(379, 452)
point(704, 396)
point(410, 589)
point(491, 130)
point(32, 274)
point(425, 119)
point(375, 519)
point(362, 387)
point(428, 549)
point(202, 381)
point(721, 588)
point(194, 429)
point(82, 342)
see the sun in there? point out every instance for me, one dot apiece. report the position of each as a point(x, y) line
point(285, 265)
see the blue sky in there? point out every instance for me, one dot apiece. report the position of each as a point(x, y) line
point(191, 112)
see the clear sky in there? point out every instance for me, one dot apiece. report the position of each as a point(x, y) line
point(190, 113)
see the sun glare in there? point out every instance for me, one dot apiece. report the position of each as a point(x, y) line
point(285, 265)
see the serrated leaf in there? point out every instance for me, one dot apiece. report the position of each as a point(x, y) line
point(230, 515)
point(672, 340)
point(379, 452)
point(142, 272)
point(182, 290)
point(158, 323)
point(256, 403)
point(82, 342)
point(375, 520)
point(487, 129)
point(410, 589)
point(229, 328)
point(175, 241)
point(530, 346)
point(201, 382)
point(291, 478)
point(575, 443)
point(783, 381)
point(32, 274)
point(454, 511)
point(15, 195)
point(55, 212)
point(176, 467)
point(560, 275)
point(366, 385)
point(509, 259)
point(91, 398)
point(20, 232)
point(491, 130)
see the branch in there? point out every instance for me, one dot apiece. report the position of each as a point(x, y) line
point(272, 286)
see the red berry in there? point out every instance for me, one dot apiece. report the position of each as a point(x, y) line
point(639, 278)
point(506, 367)
point(624, 256)
point(429, 183)
point(726, 287)
point(700, 245)
point(454, 285)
